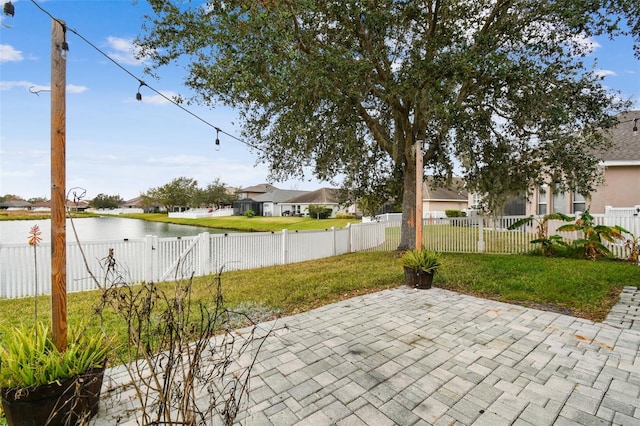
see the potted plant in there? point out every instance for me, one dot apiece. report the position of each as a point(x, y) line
point(41, 385)
point(419, 267)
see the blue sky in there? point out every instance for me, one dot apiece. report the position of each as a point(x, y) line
point(117, 145)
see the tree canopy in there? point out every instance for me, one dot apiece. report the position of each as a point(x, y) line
point(216, 195)
point(104, 201)
point(184, 192)
point(180, 192)
point(498, 89)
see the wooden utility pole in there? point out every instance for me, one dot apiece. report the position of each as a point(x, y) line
point(419, 182)
point(58, 186)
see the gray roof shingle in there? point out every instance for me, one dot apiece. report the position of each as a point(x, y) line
point(319, 196)
point(626, 145)
point(279, 195)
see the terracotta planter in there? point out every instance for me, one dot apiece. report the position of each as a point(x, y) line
point(67, 403)
point(418, 278)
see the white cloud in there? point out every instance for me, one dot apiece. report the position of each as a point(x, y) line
point(72, 88)
point(19, 173)
point(157, 99)
point(152, 98)
point(587, 44)
point(9, 54)
point(38, 88)
point(8, 85)
point(123, 51)
point(35, 88)
point(604, 73)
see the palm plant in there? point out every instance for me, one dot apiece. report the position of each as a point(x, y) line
point(549, 244)
point(632, 245)
point(593, 236)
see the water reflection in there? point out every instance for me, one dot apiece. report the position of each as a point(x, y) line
point(99, 229)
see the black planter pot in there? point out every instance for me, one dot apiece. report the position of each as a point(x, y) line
point(418, 278)
point(68, 403)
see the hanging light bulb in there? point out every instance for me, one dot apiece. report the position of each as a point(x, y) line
point(217, 140)
point(8, 9)
point(635, 126)
point(139, 95)
point(64, 46)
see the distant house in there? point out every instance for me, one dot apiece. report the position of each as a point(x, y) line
point(16, 205)
point(137, 205)
point(79, 206)
point(240, 207)
point(134, 203)
point(253, 191)
point(246, 200)
point(272, 201)
point(325, 197)
point(621, 168)
point(42, 206)
point(437, 198)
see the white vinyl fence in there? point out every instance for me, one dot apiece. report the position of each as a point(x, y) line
point(154, 259)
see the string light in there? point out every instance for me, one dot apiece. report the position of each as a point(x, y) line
point(8, 9)
point(217, 139)
point(635, 125)
point(64, 46)
point(139, 95)
point(142, 83)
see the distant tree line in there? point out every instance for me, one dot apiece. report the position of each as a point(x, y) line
point(184, 192)
point(181, 192)
point(13, 197)
point(104, 201)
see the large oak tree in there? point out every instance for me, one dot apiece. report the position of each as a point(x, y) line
point(498, 88)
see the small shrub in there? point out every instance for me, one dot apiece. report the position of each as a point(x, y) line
point(249, 213)
point(319, 212)
point(455, 213)
point(422, 260)
point(344, 216)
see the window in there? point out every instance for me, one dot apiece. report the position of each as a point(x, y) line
point(560, 204)
point(516, 206)
point(476, 201)
point(579, 202)
point(542, 200)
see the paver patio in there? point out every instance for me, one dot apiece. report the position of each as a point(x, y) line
point(420, 357)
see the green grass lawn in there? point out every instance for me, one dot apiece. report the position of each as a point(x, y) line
point(250, 224)
point(581, 288)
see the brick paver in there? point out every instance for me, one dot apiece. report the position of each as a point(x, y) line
point(420, 357)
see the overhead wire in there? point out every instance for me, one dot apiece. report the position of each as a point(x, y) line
point(142, 83)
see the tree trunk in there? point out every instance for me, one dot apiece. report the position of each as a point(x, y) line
point(408, 229)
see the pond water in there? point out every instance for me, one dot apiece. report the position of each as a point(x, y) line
point(100, 229)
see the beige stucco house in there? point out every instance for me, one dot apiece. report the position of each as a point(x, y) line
point(325, 197)
point(436, 199)
point(253, 191)
point(621, 168)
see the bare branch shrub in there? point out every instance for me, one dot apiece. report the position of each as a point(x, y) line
point(186, 364)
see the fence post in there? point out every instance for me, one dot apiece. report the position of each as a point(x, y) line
point(205, 251)
point(480, 234)
point(349, 236)
point(148, 258)
point(284, 247)
point(335, 243)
